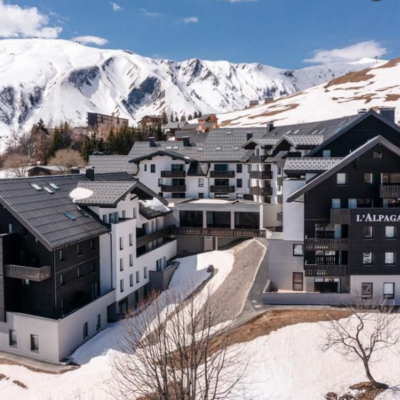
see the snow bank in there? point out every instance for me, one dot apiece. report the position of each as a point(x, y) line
point(155, 205)
point(80, 194)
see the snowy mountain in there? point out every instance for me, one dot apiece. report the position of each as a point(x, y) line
point(59, 81)
point(377, 86)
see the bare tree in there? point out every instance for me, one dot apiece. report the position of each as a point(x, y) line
point(178, 355)
point(371, 328)
point(17, 163)
point(65, 159)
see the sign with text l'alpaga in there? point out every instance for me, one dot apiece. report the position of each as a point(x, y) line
point(375, 215)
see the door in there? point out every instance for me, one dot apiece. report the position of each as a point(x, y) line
point(298, 281)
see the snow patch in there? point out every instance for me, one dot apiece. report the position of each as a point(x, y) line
point(80, 194)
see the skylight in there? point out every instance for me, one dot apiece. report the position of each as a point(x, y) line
point(236, 148)
point(313, 133)
point(83, 213)
point(200, 148)
point(229, 132)
point(323, 130)
point(288, 132)
point(70, 216)
point(54, 186)
point(176, 147)
point(296, 132)
point(37, 187)
point(169, 147)
point(219, 148)
point(48, 190)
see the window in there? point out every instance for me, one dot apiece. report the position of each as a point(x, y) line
point(94, 290)
point(98, 323)
point(369, 178)
point(366, 290)
point(239, 183)
point(13, 338)
point(298, 281)
point(123, 214)
point(390, 232)
point(368, 232)
point(79, 250)
point(131, 280)
point(105, 218)
point(25, 282)
point(201, 195)
point(35, 343)
point(145, 273)
point(388, 290)
point(153, 168)
point(92, 245)
point(121, 286)
point(368, 258)
point(85, 330)
point(62, 307)
point(121, 264)
point(326, 153)
point(298, 250)
point(239, 168)
point(137, 277)
point(130, 240)
point(62, 280)
point(390, 258)
point(377, 154)
point(145, 167)
point(160, 182)
point(336, 203)
point(93, 266)
point(201, 182)
point(131, 260)
point(121, 243)
point(352, 203)
point(62, 256)
point(341, 179)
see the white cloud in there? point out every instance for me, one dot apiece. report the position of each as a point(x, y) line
point(150, 13)
point(90, 40)
point(368, 49)
point(116, 7)
point(190, 20)
point(16, 22)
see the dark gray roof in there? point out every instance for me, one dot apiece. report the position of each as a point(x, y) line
point(168, 153)
point(114, 177)
point(309, 164)
point(174, 125)
point(106, 164)
point(194, 136)
point(44, 214)
point(345, 161)
point(105, 194)
point(189, 127)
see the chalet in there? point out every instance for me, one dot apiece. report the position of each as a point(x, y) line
point(102, 124)
point(151, 121)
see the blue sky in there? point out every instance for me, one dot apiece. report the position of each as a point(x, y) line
point(281, 33)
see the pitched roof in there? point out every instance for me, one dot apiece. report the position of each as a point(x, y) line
point(309, 164)
point(194, 136)
point(198, 169)
point(107, 164)
point(344, 161)
point(174, 125)
point(168, 153)
point(53, 218)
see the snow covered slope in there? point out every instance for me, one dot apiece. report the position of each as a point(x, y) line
point(59, 81)
point(377, 86)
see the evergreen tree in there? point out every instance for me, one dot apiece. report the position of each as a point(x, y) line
point(190, 117)
point(176, 118)
point(159, 134)
point(56, 143)
point(41, 126)
point(164, 118)
point(183, 117)
point(172, 117)
point(195, 115)
point(200, 114)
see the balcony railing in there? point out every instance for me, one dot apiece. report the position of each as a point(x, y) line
point(340, 216)
point(260, 191)
point(173, 188)
point(326, 270)
point(257, 159)
point(249, 197)
point(222, 174)
point(222, 189)
point(261, 175)
point(173, 174)
point(390, 192)
point(151, 237)
point(29, 273)
point(240, 233)
point(312, 244)
point(326, 260)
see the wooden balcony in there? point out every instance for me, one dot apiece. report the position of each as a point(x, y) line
point(326, 270)
point(173, 188)
point(173, 174)
point(222, 174)
point(390, 192)
point(311, 244)
point(261, 175)
point(257, 159)
point(231, 233)
point(249, 197)
point(151, 237)
point(29, 273)
point(340, 216)
point(222, 189)
point(260, 191)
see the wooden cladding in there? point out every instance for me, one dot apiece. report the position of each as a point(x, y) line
point(261, 175)
point(390, 192)
point(222, 189)
point(231, 233)
point(326, 270)
point(151, 237)
point(222, 174)
point(261, 191)
point(257, 159)
point(340, 216)
point(326, 244)
point(29, 273)
point(173, 174)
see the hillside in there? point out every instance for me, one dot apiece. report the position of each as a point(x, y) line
point(59, 80)
point(377, 86)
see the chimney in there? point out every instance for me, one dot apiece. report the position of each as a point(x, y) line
point(152, 142)
point(89, 172)
point(186, 141)
point(270, 126)
point(74, 170)
point(389, 113)
point(362, 111)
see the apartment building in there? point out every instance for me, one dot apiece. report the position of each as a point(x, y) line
point(75, 252)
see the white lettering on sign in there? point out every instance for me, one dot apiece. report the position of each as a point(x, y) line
point(377, 218)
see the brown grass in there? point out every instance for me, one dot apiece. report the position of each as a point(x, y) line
point(272, 113)
point(392, 97)
point(365, 391)
point(2, 376)
point(390, 64)
point(20, 384)
point(38, 370)
point(354, 77)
